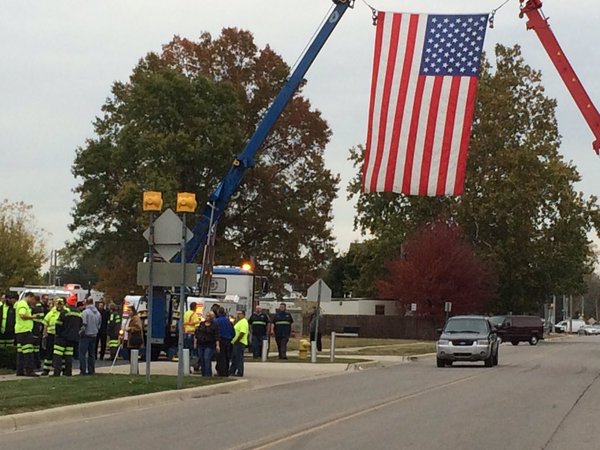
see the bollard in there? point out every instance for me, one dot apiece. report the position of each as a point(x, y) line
point(332, 348)
point(186, 361)
point(265, 349)
point(133, 362)
point(313, 351)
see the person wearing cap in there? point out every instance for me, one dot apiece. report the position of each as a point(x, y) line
point(68, 325)
point(239, 343)
point(7, 321)
point(50, 320)
point(24, 336)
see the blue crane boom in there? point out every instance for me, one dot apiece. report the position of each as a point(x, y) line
point(220, 198)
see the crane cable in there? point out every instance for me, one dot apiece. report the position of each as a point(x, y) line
point(493, 13)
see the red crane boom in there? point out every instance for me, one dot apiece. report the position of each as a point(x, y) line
point(539, 24)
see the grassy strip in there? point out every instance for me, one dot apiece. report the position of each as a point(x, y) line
point(28, 394)
point(396, 350)
point(345, 342)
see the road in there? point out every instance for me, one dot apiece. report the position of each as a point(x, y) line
point(542, 397)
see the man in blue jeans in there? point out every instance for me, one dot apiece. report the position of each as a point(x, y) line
point(259, 321)
point(92, 320)
point(239, 343)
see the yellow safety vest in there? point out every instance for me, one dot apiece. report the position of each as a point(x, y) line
point(22, 325)
point(190, 322)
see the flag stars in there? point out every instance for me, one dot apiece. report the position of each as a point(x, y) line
point(453, 44)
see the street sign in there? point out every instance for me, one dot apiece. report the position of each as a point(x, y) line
point(448, 306)
point(313, 292)
point(165, 274)
point(413, 306)
point(167, 234)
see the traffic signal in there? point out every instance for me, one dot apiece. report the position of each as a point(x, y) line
point(186, 202)
point(152, 201)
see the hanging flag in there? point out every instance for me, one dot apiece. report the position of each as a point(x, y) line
point(422, 102)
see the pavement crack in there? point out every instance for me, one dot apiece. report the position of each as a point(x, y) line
point(558, 427)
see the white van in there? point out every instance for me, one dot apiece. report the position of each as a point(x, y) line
point(564, 326)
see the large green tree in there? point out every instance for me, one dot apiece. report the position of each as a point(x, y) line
point(520, 207)
point(176, 125)
point(22, 250)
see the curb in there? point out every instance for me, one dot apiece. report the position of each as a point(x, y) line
point(363, 365)
point(16, 422)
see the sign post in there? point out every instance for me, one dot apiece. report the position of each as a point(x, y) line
point(318, 291)
point(447, 308)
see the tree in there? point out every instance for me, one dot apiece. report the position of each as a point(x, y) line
point(22, 250)
point(177, 125)
point(438, 266)
point(519, 208)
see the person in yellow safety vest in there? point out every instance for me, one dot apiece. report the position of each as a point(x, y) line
point(190, 323)
point(23, 335)
point(49, 335)
point(113, 330)
point(7, 321)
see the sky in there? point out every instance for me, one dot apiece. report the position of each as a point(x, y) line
point(62, 56)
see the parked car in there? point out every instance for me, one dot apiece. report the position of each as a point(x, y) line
point(467, 338)
point(564, 326)
point(515, 329)
point(588, 330)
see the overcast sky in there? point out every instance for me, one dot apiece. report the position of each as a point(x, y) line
point(61, 57)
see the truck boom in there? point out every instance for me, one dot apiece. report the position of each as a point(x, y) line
point(220, 198)
point(540, 25)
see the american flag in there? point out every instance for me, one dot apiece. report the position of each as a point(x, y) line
point(422, 102)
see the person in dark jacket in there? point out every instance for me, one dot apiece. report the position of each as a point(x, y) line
point(282, 325)
point(226, 333)
point(113, 330)
point(207, 338)
point(7, 321)
point(68, 327)
point(103, 331)
point(259, 321)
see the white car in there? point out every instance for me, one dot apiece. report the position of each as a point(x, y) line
point(564, 326)
point(589, 330)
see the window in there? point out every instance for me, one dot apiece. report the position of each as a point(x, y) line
point(380, 310)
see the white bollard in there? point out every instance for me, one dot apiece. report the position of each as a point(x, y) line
point(332, 347)
point(134, 356)
point(265, 349)
point(186, 361)
point(313, 351)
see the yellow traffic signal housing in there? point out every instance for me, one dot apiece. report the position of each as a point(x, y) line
point(152, 201)
point(186, 202)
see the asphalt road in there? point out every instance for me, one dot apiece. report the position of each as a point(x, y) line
point(542, 397)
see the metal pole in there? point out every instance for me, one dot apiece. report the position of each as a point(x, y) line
point(570, 313)
point(583, 307)
point(313, 344)
point(332, 347)
point(180, 364)
point(265, 349)
point(150, 299)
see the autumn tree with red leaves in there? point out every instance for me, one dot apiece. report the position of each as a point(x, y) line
point(438, 266)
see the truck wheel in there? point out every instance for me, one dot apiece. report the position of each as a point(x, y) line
point(533, 340)
point(489, 362)
point(440, 362)
point(448, 363)
point(514, 342)
point(495, 360)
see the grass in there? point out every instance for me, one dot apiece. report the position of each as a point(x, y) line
point(346, 342)
point(417, 348)
point(41, 393)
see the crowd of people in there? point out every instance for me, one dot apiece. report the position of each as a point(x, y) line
point(215, 336)
point(50, 333)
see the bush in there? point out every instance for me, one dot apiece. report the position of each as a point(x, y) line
point(8, 358)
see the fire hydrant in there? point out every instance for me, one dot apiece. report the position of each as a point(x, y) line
point(303, 347)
